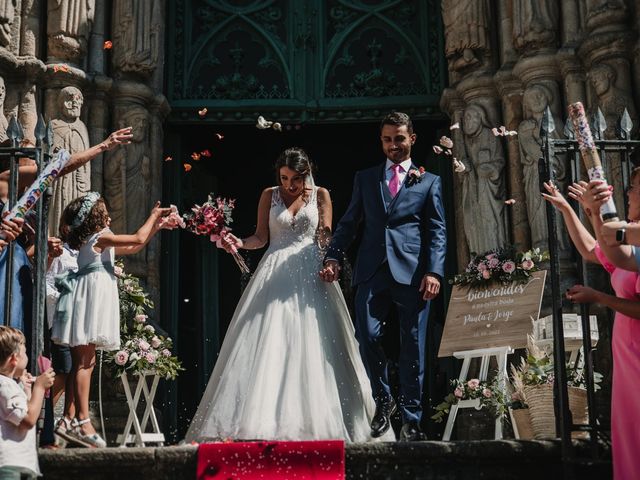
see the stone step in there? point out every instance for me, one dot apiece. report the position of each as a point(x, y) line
point(494, 460)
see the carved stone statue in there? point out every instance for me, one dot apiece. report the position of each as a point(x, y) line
point(535, 100)
point(466, 32)
point(68, 26)
point(611, 99)
point(483, 187)
point(535, 24)
point(70, 133)
point(3, 120)
point(136, 27)
point(7, 14)
point(129, 178)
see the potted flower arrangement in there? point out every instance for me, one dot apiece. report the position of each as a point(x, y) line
point(144, 351)
point(503, 265)
point(483, 396)
point(533, 383)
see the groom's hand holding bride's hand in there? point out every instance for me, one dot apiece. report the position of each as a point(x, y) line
point(430, 287)
point(331, 271)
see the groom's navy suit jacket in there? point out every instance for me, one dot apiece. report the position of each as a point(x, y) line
point(407, 230)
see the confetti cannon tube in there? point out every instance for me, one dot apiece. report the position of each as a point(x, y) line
point(44, 180)
point(590, 156)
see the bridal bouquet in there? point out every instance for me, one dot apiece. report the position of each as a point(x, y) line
point(213, 218)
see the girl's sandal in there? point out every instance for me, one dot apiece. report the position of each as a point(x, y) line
point(90, 441)
point(64, 429)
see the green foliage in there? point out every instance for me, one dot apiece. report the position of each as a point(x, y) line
point(490, 394)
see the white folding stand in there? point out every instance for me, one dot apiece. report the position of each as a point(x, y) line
point(139, 437)
point(485, 355)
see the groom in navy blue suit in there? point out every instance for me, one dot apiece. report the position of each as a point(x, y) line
point(400, 265)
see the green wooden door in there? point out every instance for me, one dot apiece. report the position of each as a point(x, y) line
point(310, 64)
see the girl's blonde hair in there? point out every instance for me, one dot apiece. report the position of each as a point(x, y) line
point(10, 341)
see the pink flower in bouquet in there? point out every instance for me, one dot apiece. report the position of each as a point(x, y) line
point(458, 392)
point(143, 345)
point(118, 271)
point(486, 393)
point(490, 256)
point(508, 266)
point(150, 357)
point(166, 353)
point(527, 264)
point(122, 357)
point(155, 342)
point(141, 318)
point(486, 274)
point(482, 267)
point(473, 383)
point(494, 262)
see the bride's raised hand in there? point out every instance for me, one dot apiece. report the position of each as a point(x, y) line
point(231, 243)
point(555, 197)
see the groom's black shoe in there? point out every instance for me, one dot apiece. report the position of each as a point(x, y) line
point(411, 432)
point(381, 421)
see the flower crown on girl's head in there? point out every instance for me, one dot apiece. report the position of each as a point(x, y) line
point(88, 202)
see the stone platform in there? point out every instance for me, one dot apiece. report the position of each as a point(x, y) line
point(462, 460)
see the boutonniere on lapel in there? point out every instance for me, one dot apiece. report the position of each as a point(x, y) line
point(414, 175)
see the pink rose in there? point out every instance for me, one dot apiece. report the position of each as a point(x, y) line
point(155, 342)
point(143, 345)
point(486, 274)
point(490, 256)
point(141, 318)
point(486, 393)
point(122, 357)
point(458, 392)
point(166, 353)
point(118, 271)
point(494, 262)
point(473, 383)
point(482, 267)
point(527, 264)
point(508, 266)
point(151, 357)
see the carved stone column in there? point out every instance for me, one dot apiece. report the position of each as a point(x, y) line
point(68, 26)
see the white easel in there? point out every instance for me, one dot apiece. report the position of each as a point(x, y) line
point(140, 437)
point(485, 355)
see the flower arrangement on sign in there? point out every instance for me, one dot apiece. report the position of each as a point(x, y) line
point(503, 265)
point(489, 394)
point(143, 349)
point(213, 218)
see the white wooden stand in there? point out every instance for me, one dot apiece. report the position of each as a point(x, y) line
point(485, 355)
point(139, 437)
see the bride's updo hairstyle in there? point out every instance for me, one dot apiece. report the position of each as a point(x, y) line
point(297, 160)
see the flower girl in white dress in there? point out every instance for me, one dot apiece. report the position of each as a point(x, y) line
point(87, 314)
point(289, 367)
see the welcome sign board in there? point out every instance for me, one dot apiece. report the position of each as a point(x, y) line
point(494, 316)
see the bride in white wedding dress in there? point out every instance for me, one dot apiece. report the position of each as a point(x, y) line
point(289, 367)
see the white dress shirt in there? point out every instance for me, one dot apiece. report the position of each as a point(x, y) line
point(402, 173)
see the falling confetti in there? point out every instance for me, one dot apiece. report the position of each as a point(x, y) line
point(503, 132)
point(107, 45)
point(219, 136)
point(205, 153)
point(455, 126)
point(195, 156)
point(446, 142)
point(60, 68)
point(277, 127)
point(458, 167)
point(203, 112)
point(438, 150)
point(187, 167)
point(511, 201)
point(263, 124)
point(168, 158)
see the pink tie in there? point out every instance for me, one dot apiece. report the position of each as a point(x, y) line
point(394, 183)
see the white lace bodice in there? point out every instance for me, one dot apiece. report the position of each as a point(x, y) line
point(286, 229)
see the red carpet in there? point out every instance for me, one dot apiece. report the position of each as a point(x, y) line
point(322, 460)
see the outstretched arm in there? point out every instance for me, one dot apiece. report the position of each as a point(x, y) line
point(582, 294)
point(119, 137)
point(128, 244)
